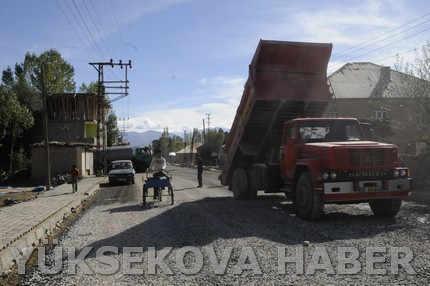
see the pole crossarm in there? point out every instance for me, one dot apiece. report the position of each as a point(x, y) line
point(104, 90)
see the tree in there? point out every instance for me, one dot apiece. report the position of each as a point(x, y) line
point(213, 142)
point(113, 133)
point(58, 74)
point(91, 88)
point(14, 119)
point(176, 143)
point(16, 82)
point(24, 87)
point(415, 83)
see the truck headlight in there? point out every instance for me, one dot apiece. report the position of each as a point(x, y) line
point(403, 172)
point(396, 173)
point(325, 176)
point(329, 176)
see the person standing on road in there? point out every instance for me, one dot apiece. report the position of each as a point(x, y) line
point(199, 163)
point(75, 175)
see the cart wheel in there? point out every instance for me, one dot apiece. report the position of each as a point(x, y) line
point(159, 194)
point(171, 194)
point(145, 194)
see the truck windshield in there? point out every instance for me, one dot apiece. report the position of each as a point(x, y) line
point(330, 131)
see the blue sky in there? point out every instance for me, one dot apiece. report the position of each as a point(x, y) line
point(190, 57)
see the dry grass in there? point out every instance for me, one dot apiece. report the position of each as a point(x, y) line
point(21, 196)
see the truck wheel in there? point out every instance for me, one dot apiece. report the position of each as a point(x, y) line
point(385, 207)
point(310, 205)
point(240, 184)
point(252, 187)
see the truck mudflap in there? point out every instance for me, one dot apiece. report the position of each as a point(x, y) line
point(366, 190)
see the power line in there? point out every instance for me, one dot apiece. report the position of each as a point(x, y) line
point(80, 39)
point(86, 26)
point(384, 46)
point(101, 28)
point(340, 54)
point(377, 49)
point(97, 29)
point(117, 26)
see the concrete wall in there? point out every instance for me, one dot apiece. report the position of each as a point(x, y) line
point(62, 157)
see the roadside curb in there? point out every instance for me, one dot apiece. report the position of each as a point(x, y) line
point(23, 246)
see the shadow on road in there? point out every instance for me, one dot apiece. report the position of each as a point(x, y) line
point(272, 218)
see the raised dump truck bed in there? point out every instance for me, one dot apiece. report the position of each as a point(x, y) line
point(286, 80)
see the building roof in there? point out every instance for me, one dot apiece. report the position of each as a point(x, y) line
point(366, 80)
point(187, 149)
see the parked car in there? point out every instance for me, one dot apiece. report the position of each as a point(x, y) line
point(121, 171)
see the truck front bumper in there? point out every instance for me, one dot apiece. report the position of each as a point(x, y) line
point(366, 190)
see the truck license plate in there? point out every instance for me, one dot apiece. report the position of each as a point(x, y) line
point(370, 189)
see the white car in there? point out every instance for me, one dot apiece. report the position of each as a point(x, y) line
point(121, 171)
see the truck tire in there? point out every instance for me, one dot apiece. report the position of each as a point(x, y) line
point(385, 207)
point(310, 205)
point(239, 184)
point(252, 186)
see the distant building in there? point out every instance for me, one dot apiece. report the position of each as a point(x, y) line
point(376, 94)
point(185, 157)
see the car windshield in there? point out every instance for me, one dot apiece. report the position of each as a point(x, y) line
point(121, 165)
point(330, 131)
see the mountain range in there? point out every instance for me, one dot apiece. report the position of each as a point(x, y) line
point(142, 139)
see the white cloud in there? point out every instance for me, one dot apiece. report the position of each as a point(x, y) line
point(223, 97)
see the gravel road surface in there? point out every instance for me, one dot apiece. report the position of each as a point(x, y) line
point(207, 238)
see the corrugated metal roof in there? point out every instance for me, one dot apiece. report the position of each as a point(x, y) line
point(365, 80)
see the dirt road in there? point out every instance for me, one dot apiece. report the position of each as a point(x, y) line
point(207, 238)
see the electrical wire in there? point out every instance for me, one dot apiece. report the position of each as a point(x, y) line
point(74, 30)
point(117, 26)
point(341, 53)
point(89, 31)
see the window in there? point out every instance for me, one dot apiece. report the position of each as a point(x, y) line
point(379, 114)
point(329, 131)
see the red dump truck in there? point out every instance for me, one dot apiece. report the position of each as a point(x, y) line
point(279, 143)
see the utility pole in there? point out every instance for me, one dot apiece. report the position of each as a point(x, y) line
point(185, 148)
point(204, 131)
point(209, 121)
point(45, 132)
point(104, 88)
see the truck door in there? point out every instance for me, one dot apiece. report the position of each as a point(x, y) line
point(288, 152)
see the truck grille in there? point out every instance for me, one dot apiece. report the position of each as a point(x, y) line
point(367, 157)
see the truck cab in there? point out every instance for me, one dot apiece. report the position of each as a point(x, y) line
point(331, 156)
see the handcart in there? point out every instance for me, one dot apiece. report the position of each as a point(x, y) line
point(162, 187)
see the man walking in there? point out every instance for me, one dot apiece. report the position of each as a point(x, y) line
point(75, 175)
point(199, 163)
